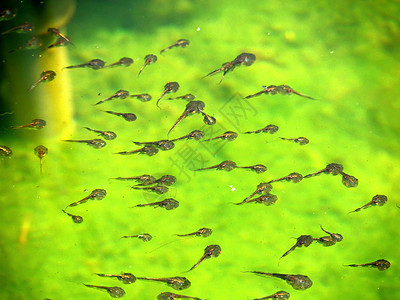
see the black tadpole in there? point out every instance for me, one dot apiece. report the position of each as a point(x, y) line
point(298, 282)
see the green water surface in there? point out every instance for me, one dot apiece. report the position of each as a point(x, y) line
point(346, 56)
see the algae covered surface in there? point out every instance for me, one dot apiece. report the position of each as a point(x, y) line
point(347, 58)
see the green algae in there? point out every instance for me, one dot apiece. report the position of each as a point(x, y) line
point(344, 57)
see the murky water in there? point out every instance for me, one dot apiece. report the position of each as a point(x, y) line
point(345, 57)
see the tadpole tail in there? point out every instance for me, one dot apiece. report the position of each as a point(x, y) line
point(76, 66)
point(66, 39)
point(285, 139)
point(128, 152)
point(251, 195)
point(162, 95)
point(124, 178)
point(145, 64)
point(196, 264)
point(290, 250)
point(352, 265)
point(365, 206)
point(102, 275)
point(184, 115)
point(49, 47)
point(249, 167)
point(178, 139)
point(212, 73)
point(71, 205)
point(137, 188)
point(188, 234)
point(277, 275)
point(211, 139)
point(314, 174)
point(324, 230)
point(79, 202)
point(87, 128)
point(207, 168)
point(356, 210)
point(76, 141)
point(240, 203)
point(254, 95)
point(165, 49)
point(34, 85)
point(71, 67)
point(112, 65)
point(7, 31)
point(151, 279)
point(110, 112)
point(128, 236)
point(276, 180)
point(147, 204)
point(302, 95)
point(102, 101)
point(18, 127)
point(89, 285)
point(222, 78)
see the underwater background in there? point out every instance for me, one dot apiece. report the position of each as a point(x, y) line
point(345, 56)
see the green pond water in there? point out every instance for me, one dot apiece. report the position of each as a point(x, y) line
point(344, 55)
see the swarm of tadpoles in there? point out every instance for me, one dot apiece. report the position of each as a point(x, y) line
point(177, 283)
point(150, 183)
point(335, 169)
point(194, 107)
point(263, 189)
point(307, 240)
point(244, 59)
point(229, 165)
point(97, 194)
